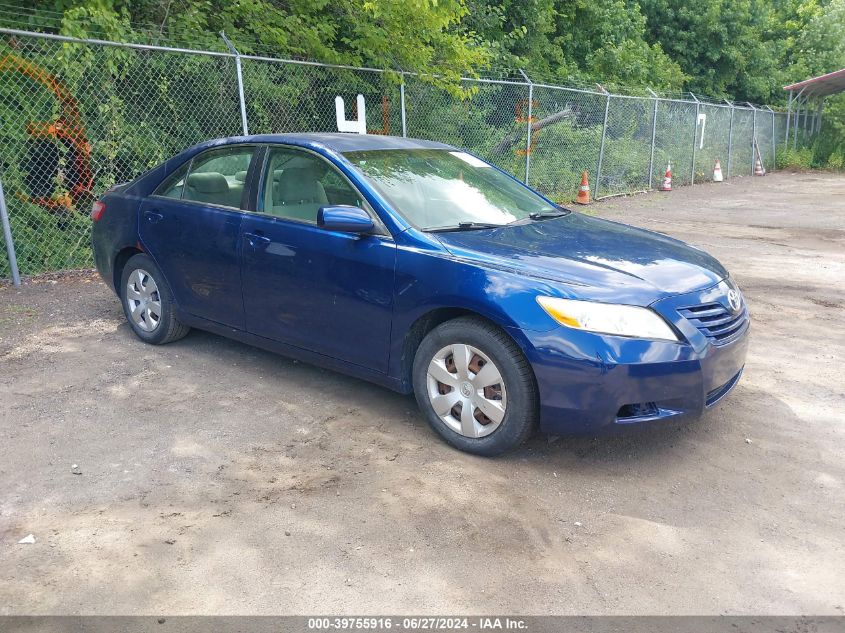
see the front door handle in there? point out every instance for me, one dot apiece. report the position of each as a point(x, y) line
point(255, 240)
point(153, 216)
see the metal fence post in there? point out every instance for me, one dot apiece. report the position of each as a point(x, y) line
point(754, 145)
point(805, 137)
point(694, 136)
point(774, 140)
point(788, 117)
point(7, 237)
point(813, 124)
point(730, 139)
point(240, 81)
point(528, 133)
point(804, 130)
point(803, 125)
point(402, 105)
point(795, 122)
point(653, 138)
point(601, 147)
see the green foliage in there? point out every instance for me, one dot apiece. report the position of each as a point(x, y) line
point(801, 158)
point(829, 146)
point(137, 110)
point(718, 44)
point(562, 40)
point(815, 39)
point(741, 49)
point(826, 150)
point(414, 35)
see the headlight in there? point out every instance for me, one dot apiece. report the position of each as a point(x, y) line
point(608, 318)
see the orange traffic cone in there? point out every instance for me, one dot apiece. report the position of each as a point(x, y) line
point(717, 172)
point(583, 190)
point(759, 170)
point(666, 185)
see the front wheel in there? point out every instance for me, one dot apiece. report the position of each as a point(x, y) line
point(475, 386)
point(147, 302)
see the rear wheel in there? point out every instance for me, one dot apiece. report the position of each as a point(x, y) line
point(148, 303)
point(475, 386)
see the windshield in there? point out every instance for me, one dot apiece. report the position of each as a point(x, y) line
point(441, 189)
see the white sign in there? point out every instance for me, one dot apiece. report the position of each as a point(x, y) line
point(357, 126)
point(702, 119)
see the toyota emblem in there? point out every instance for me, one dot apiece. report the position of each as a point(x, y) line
point(734, 300)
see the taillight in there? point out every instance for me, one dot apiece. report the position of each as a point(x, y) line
point(97, 210)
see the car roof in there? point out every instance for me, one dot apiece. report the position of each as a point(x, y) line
point(337, 141)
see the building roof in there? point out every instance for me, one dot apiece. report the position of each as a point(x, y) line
point(820, 86)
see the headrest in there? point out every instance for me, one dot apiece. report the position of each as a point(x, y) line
point(241, 176)
point(209, 182)
point(299, 184)
point(304, 163)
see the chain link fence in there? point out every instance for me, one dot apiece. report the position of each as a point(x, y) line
point(624, 165)
point(300, 97)
point(566, 139)
point(77, 116)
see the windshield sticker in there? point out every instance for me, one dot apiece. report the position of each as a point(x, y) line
point(469, 159)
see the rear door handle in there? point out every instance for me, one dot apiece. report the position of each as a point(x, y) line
point(255, 240)
point(153, 216)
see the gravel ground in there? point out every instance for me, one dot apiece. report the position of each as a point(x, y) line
point(221, 479)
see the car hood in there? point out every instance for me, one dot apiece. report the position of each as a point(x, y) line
point(599, 259)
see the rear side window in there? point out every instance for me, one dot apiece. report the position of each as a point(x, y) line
point(172, 186)
point(218, 177)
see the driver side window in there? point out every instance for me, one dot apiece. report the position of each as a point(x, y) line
point(297, 184)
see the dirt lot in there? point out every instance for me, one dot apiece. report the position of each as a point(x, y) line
point(217, 478)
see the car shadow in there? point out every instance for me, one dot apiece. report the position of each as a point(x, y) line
point(645, 442)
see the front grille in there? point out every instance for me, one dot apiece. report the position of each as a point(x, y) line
point(716, 322)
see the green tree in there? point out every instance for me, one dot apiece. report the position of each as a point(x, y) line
point(719, 44)
point(423, 36)
point(580, 40)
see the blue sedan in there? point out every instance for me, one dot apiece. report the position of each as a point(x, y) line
point(420, 267)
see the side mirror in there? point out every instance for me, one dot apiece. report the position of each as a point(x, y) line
point(345, 219)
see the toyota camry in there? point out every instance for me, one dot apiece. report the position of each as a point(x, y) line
point(422, 268)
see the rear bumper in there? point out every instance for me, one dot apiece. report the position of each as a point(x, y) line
point(102, 263)
point(590, 383)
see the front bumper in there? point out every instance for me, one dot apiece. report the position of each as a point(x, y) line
point(589, 383)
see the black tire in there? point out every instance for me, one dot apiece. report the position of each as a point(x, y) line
point(522, 408)
point(168, 328)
